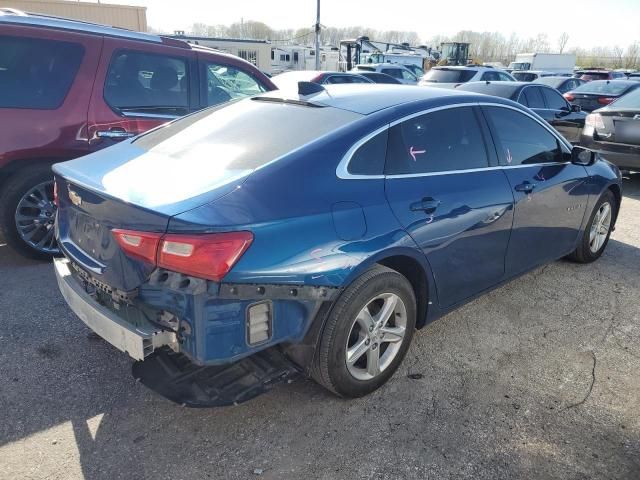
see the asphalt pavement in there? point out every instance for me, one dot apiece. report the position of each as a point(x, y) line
point(538, 379)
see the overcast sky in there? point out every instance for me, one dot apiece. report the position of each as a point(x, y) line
point(589, 23)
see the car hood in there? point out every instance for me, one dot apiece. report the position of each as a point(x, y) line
point(166, 181)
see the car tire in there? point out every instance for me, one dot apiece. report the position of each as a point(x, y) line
point(14, 190)
point(596, 235)
point(382, 293)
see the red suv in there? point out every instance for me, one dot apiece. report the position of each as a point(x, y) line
point(68, 88)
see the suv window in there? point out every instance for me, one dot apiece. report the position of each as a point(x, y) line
point(147, 83)
point(449, 75)
point(37, 73)
point(368, 159)
point(554, 100)
point(408, 75)
point(532, 97)
point(225, 83)
point(393, 72)
point(504, 77)
point(520, 140)
point(445, 140)
point(334, 79)
point(490, 76)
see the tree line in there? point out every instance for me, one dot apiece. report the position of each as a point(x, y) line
point(485, 46)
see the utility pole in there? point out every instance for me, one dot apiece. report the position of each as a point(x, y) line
point(318, 37)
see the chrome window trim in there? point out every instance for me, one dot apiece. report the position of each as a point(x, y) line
point(129, 114)
point(342, 168)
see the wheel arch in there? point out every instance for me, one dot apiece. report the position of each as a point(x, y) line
point(617, 193)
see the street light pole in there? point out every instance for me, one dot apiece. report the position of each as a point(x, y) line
point(318, 37)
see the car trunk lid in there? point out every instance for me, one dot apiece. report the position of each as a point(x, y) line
point(620, 127)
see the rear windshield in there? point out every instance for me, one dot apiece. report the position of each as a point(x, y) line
point(524, 77)
point(242, 135)
point(630, 100)
point(594, 76)
point(446, 75)
point(603, 87)
point(36, 73)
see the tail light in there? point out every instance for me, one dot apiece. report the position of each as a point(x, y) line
point(55, 193)
point(209, 256)
point(605, 100)
point(569, 97)
point(594, 120)
point(317, 78)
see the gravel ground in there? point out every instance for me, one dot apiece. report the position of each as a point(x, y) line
point(538, 379)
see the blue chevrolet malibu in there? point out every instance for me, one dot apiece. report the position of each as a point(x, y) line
point(315, 231)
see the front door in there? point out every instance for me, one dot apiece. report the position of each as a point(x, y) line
point(138, 89)
point(550, 193)
point(457, 206)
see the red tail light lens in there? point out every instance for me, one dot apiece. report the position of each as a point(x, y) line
point(141, 245)
point(605, 100)
point(209, 256)
point(569, 97)
point(55, 193)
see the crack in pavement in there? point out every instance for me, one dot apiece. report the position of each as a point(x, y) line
point(593, 381)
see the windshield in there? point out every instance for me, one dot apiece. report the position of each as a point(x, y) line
point(519, 66)
point(603, 87)
point(525, 77)
point(446, 75)
point(630, 100)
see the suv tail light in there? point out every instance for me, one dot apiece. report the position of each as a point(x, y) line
point(209, 256)
point(605, 100)
point(569, 97)
point(594, 120)
point(55, 193)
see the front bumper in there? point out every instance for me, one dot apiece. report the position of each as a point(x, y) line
point(138, 343)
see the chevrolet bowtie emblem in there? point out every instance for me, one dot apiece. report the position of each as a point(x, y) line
point(75, 198)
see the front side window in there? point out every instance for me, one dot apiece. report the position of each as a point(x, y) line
point(504, 77)
point(146, 83)
point(37, 73)
point(555, 101)
point(489, 76)
point(520, 140)
point(392, 72)
point(225, 83)
point(439, 141)
point(532, 98)
point(368, 159)
point(408, 76)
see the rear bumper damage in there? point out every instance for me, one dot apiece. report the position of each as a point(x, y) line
point(207, 359)
point(138, 343)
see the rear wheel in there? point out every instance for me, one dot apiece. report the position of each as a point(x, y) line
point(27, 212)
point(596, 235)
point(367, 333)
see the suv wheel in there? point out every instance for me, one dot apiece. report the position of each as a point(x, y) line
point(27, 212)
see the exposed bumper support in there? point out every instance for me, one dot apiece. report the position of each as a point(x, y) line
point(125, 337)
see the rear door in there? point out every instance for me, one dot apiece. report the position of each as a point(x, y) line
point(139, 86)
point(550, 192)
point(444, 187)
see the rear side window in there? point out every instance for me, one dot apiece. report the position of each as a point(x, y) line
point(554, 100)
point(520, 139)
point(148, 84)
point(335, 79)
point(532, 97)
point(37, 73)
point(436, 142)
point(225, 83)
point(368, 159)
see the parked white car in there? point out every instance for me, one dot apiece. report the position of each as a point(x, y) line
point(395, 70)
point(448, 77)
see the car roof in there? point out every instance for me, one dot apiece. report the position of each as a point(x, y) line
point(463, 67)
point(366, 99)
point(17, 17)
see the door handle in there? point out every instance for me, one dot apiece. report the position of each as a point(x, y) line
point(115, 132)
point(427, 205)
point(525, 187)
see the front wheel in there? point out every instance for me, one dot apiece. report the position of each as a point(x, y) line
point(367, 333)
point(27, 212)
point(596, 235)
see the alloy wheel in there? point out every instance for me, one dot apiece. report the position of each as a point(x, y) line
point(34, 217)
point(600, 227)
point(376, 336)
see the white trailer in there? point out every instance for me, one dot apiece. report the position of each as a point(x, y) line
point(559, 63)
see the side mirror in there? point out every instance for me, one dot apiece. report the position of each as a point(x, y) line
point(582, 156)
point(576, 108)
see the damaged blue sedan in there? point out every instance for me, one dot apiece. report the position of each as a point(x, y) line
point(313, 232)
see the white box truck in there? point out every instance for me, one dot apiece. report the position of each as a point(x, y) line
point(558, 63)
